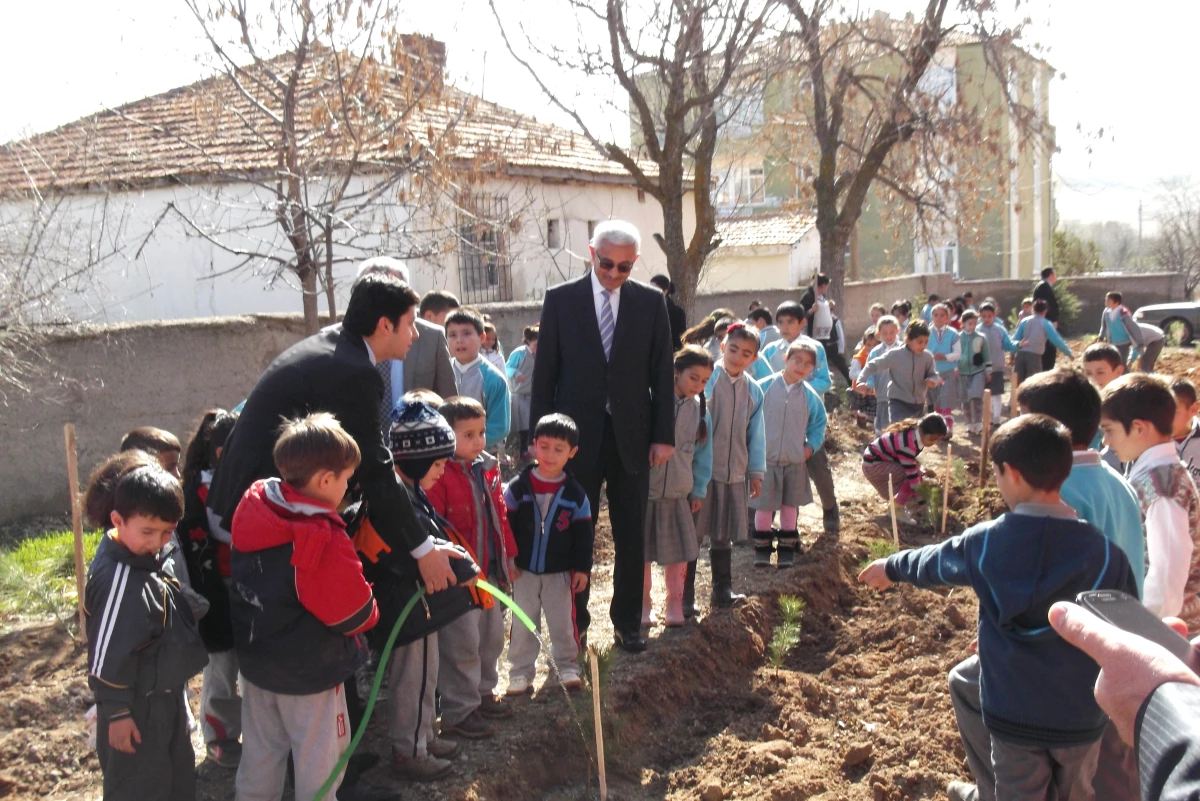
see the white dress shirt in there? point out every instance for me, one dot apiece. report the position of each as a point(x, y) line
point(1168, 540)
point(614, 300)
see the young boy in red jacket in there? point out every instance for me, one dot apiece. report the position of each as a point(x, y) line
point(469, 495)
point(299, 604)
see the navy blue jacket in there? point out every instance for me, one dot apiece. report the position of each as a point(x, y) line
point(559, 542)
point(1035, 688)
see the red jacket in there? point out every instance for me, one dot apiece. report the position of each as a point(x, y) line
point(299, 596)
point(454, 499)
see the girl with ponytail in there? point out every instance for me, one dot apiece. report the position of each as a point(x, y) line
point(677, 487)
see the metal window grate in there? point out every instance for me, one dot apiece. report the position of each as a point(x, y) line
point(484, 271)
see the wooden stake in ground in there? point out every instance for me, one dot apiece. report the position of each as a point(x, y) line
point(595, 663)
point(946, 490)
point(76, 519)
point(892, 506)
point(983, 440)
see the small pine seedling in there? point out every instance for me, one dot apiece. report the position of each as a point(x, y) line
point(787, 634)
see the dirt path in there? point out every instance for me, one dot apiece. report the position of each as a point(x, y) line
point(858, 710)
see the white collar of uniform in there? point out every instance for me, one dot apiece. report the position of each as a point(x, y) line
point(598, 287)
point(370, 352)
point(462, 368)
point(1084, 458)
point(787, 386)
point(1155, 456)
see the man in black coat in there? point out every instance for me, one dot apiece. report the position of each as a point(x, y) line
point(334, 371)
point(1045, 291)
point(604, 358)
point(676, 315)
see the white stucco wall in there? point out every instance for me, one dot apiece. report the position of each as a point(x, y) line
point(732, 269)
point(165, 271)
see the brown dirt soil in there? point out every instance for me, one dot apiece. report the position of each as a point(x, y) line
point(858, 710)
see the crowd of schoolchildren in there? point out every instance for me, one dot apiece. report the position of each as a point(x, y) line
point(277, 613)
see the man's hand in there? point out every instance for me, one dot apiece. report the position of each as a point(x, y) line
point(1131, 667)
point(514, 572)
point(123, 735)
point(807, 453)
point(932, 382)
point(435, 568)
point(861, 389)
point(755, 487)
point(695, 505)
point(579, 582)
point(875, 575)
point(660, 454)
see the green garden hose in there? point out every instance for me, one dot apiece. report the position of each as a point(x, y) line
point(383, 661)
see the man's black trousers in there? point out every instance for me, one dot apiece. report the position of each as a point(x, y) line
point(627, 494)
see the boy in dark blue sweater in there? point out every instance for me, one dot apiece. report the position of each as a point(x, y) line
point(1035, 688)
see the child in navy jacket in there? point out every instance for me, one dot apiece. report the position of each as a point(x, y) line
point(1035, 688)
point(551, 520)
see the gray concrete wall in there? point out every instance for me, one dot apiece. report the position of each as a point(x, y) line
point(110, 379)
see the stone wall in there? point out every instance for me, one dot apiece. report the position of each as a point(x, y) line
point(113, 378)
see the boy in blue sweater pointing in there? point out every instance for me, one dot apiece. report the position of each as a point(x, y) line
point(1035, 688)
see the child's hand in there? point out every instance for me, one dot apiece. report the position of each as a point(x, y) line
point(123, 734)
point(513, 572)
point(1024, 343)
point(861, 389)
point(695, 505)
point(875, 576)
point(807, 453)
point(579, 582)
point(755, 487)
point(939, 357)
point(931, 382)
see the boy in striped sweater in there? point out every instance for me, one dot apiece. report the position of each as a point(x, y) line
point(895, 453)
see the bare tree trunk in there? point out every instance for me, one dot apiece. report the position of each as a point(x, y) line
point(330, 296)
point(308, 284)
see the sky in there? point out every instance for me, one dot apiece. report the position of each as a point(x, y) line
point(1124, 69)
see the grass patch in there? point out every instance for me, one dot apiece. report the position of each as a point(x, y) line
point(787, 634)
point(37, 576)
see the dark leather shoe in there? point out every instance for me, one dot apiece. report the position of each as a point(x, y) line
point(359, 764)
point(630, 641)
point(360, 791)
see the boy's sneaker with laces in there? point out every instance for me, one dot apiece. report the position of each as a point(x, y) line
point(494, 708)
point(472, 727)
point(518, 685)
point(443, 749)
point(426, 768)
point(224, 753)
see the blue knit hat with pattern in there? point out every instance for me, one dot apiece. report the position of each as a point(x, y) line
point(419, 436)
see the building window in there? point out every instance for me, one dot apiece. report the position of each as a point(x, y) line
point(741, 116)
point(554, 234)
point(743, 186)
point(484, 273)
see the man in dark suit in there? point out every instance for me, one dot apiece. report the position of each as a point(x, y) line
point(334, 371)
point(1151, 696)
point(676, 315)
point(604, 358)
point(427, 363)
point(1045, 291)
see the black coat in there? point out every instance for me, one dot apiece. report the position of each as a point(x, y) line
point(678, 320)
point(571, 375)
point(1168, 743)
point(1043, 291)
point(327, 372)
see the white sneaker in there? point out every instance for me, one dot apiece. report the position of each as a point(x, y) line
point(518, 685)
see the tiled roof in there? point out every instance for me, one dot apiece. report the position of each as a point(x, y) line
point(198, 131)
point(764, 230)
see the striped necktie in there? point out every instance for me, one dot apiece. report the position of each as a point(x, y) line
point(607, 323)
point(384, 368)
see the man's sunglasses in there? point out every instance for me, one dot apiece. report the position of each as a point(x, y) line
point(608, 264)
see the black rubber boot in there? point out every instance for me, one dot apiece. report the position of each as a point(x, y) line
point(723, 595)
point(789, 544)
point(689, 592)
point(832, 520)
point(764, 546)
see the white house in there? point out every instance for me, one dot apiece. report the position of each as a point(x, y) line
point(763, 250)
point(180, 196)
